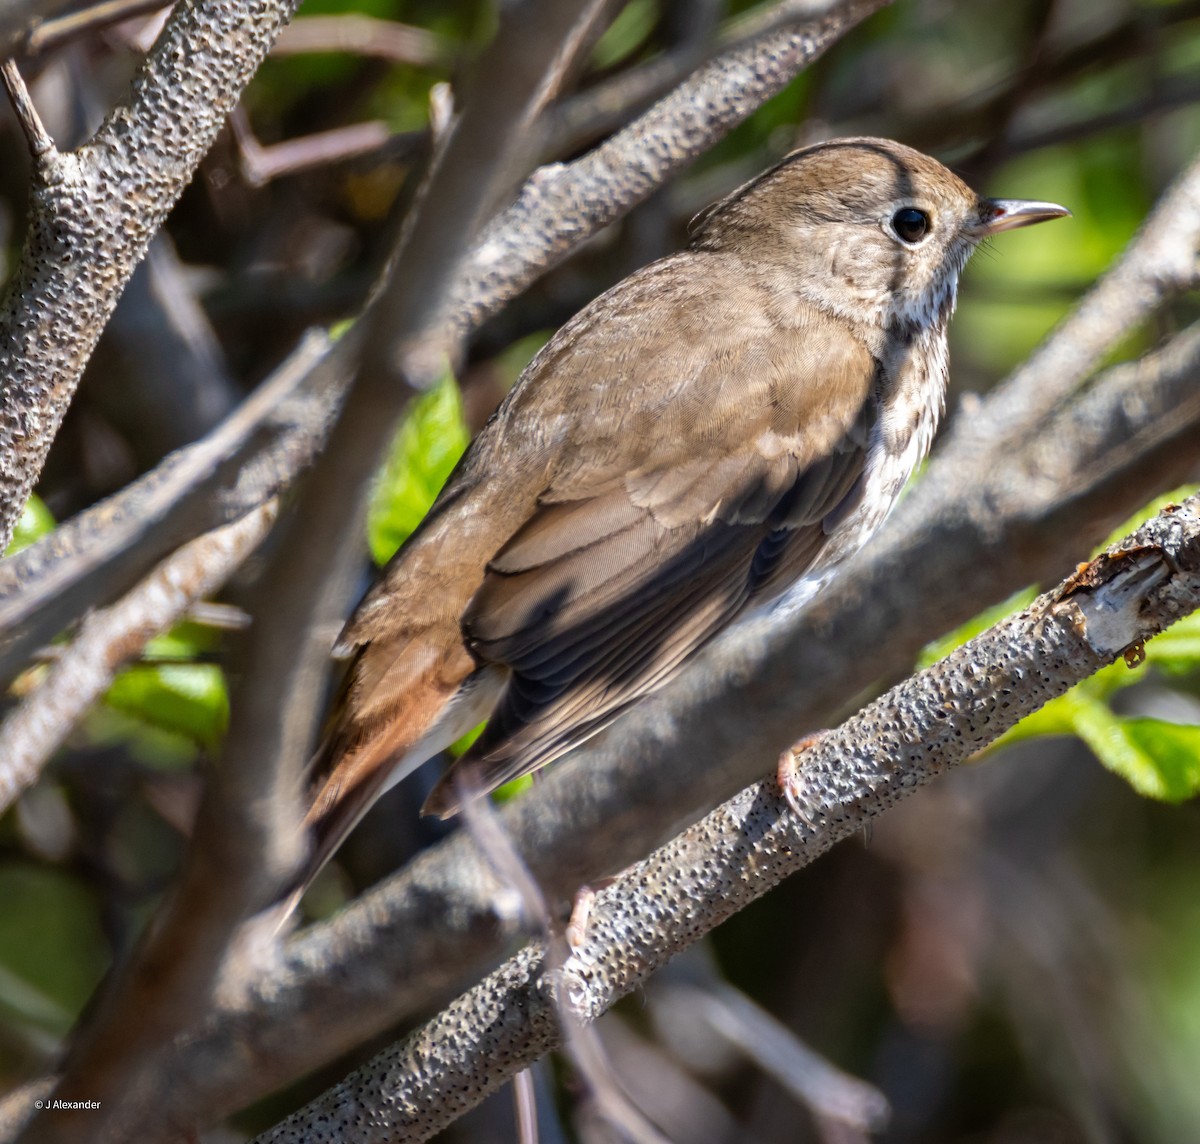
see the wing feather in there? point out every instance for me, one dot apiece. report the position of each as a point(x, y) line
point(596, 602)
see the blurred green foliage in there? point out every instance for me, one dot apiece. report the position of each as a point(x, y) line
point(628, 32)
point(423, 454)
point(1020, 284)
point(181, 697)
point(51, 948)
point(36, 520)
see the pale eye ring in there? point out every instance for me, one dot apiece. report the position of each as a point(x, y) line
point(910, 224)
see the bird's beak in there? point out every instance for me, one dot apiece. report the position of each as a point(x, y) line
point(996, 215)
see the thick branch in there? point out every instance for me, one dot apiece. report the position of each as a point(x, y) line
point(744, 848)
point(94, 211)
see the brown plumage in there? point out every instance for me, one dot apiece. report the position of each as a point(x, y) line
point(721, 425)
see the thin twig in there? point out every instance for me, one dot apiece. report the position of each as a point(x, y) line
point(607, 105)
point(16, 16)
point(111, 638)
point(1056, 70)
point(364, 36)
point(1160, 262)
point(825, 1090)
point(41, 146)
point(103, 551)
point(1170, 95)
point(260, 165)
point(53, 32)
point(560, 205)
point(583, 1047)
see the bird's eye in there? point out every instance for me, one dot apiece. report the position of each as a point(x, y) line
point(910, 224)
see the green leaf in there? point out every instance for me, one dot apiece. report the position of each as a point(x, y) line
point(188, 699)
point(462, 746)
point(423, 455)
point(35, 522)
point(511, 362)
point(52, 951)
point(625, 34)
point(511, 790)
point(1158, 759)
point(1177, 650)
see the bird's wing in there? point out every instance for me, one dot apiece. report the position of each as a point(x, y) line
point(606, 590)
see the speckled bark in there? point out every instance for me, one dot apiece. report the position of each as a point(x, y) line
point(915, 732)
point(94, 211)
point(249, 458)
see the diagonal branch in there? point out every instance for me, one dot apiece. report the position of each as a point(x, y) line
point(1162, 261)
point(111, 638)
point(247, 459)
point(917, 731)
point(16, 16)
point(562, 205)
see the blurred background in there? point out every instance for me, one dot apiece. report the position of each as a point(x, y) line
point(1014, 954)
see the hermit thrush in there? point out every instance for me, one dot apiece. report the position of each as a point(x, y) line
point(710, 436)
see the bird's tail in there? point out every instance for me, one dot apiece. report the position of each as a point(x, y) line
point(356, 764)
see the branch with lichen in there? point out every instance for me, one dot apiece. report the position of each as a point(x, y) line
point(920, 729)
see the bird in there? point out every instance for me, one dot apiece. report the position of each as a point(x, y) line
point(709, 438)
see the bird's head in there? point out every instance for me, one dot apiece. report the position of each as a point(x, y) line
point(868, 229)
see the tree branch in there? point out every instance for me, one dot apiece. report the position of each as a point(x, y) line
point(562, 205)
point(16, 16)
point(102, 552)
point(917, 731)
point(93, 212)
point(1160, 262)
point(364, 36)
point(111, 638)
point(48, 33)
